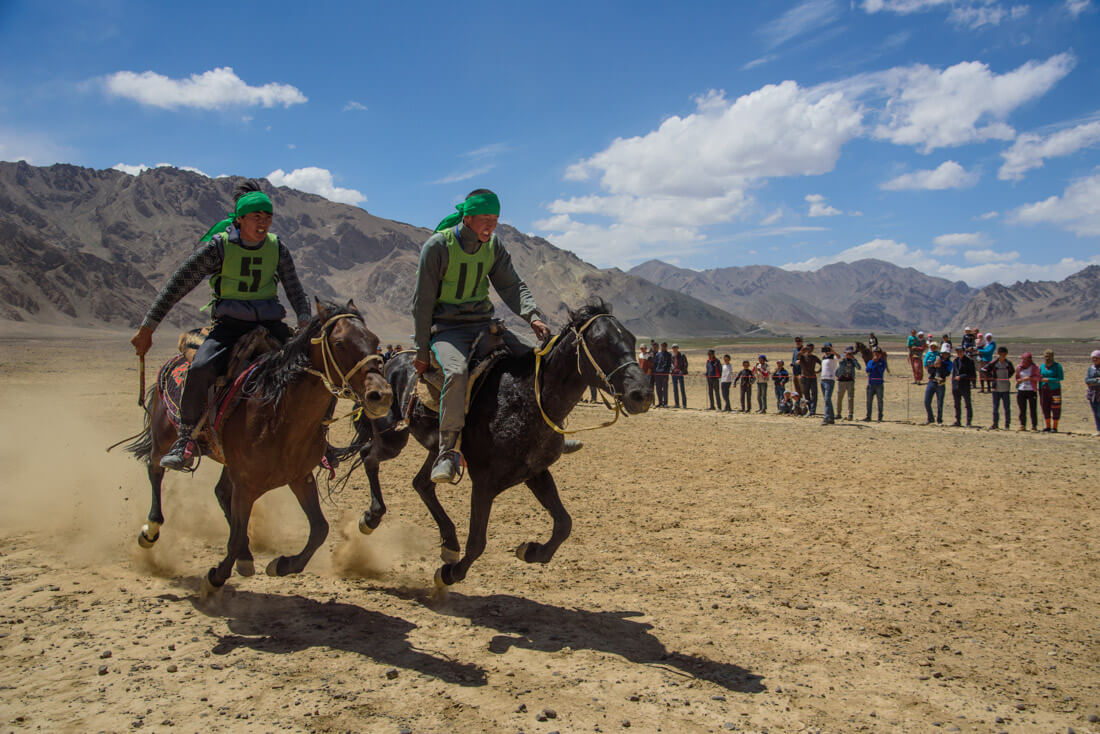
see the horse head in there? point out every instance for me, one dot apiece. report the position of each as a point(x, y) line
point(606, 356)
point(346, 351)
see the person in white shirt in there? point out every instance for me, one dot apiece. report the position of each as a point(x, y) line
point(727, 380)
point(828, 381)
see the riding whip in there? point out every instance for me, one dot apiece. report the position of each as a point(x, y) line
point(141, 391)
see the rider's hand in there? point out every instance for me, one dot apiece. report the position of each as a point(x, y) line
point(142, 340)
point(302, 323)
point(542, 331)
point(421, 363)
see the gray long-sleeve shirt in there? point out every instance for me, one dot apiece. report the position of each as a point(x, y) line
point(207, 260)
point(429, 278)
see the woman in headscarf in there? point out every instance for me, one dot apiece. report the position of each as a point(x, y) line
point(1027, 380)
point(1050, 391)
point(1092, 381)
point(986, 354)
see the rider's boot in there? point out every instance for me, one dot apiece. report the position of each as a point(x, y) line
point(183, 451)
point(571, 445)
point(446, 465)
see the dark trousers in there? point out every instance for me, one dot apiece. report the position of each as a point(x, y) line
point(937, 389)
point(746, 396)
point(713, 396)
point(678, 395)
point(1051, 402)
point(661, 383)
point(998, 399)
point(778, 393)
point(1096, 415)
point(762, 396)
point(1026, 399)
point(875, 390)
point(211, 360)
point(726, 394)
point(809, 391)
point(961, 395)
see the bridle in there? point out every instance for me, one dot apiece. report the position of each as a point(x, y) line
point(578, 335)
point(328, 362)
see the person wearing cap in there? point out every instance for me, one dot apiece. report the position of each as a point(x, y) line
point(963, 374)
point(809, 364)
point(915, 345)
point(1092, 384)
point(846, 379)
point(1027, 391)
point(939, 372)
point(1050, 391)
point(678, 370)
point(986, 354)
point(744, 379)
point(451, 308)
point(968, 340)
point(662, 365)
point(876, 383)
point(946, 346)
point(780, 377)
point(713, 371)
point(828, 381)
point(796, 368)
point(245, 263)
point(1000, 372)
point(784, 402)
point(727, 381)
point(761, 374)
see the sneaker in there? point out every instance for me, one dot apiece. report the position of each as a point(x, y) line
point(865, 420)
point(182, 454)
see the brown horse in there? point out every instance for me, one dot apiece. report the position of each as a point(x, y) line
point(276, 434)
point(867, 355)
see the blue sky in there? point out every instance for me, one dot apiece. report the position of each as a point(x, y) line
point(960, 137)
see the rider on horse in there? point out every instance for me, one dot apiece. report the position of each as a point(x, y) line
point(245, 262)
point(451, 308)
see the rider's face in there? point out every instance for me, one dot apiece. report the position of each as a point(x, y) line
point(483, 225)
point(254, 225)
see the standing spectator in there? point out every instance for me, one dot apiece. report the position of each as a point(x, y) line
point(744, 378)
point(968, 341)
point(875, 383)
point(727, 380)
point(679, 369)
point(939, 372)
point(828, 381)
point(1027, 395)
point(662, 364)
point(846, 379)
point(928, 338)
point(388, 354)
point(714, 374)
point(760, 375)
point(945, 346)
point(1092, 382)
point(872, 342)
point(644, 359)
point(1000, 372)
point(779, 378)
point(1050, 390)
point(963, 374)
point(915, 345)
point(808, 365)
point(796, 369)
point(986, 356)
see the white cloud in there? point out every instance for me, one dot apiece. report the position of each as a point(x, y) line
point(772, 218)
point(35, 148)
point(215, 89)
point(988, 215)
point(947, 244)
point(990, 256)
point(135, 169)
point(315, 180)
point(1076, 210)
point(806, 16)
point(759, 61)
point(354, 106)
point(948, 175)
point(889, 250)
point(1030, 150)
point(1076, 7)
point(902, 7)
point(818, 207)
point(970, 13)
point(464, 175)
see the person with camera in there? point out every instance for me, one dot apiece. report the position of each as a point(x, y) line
point(808, 364)
point(846, 379)
point(939, 372)
point(876, 383)
point(828, 381)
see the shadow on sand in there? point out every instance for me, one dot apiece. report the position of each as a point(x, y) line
point(547, 628)
point(274, 623)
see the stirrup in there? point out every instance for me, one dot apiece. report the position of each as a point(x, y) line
point(181, 455)
point(457, 460)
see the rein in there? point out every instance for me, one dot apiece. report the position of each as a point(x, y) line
point(617, 407)
point(328, 361)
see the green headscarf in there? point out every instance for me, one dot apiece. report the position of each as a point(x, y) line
point(479, 204)
point(253, 201)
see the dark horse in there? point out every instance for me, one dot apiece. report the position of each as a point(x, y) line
point(276, 434)
point(507, 439)
point(867, 355)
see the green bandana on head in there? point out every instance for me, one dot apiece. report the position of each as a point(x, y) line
point(475, 205)
point(253, 201)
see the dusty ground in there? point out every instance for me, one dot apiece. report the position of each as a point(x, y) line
point(726, 572)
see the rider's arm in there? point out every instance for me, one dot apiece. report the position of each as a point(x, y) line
point(288, 276)
point(204, 262)
point(513, 291)
point(429, 275)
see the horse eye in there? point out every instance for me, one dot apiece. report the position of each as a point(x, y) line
point(339, 344)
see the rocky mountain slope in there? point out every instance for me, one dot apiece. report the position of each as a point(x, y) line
point(91, 248)
point(1027, 304)
point(867, 294)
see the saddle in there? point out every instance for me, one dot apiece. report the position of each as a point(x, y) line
point(224, 394)
point(488, 349)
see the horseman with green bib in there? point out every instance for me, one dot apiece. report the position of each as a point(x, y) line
point(451, 308)
point(245, 263)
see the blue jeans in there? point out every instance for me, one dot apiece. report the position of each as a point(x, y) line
point(679, 396)
point(827, 395)
point(1096, 414)
point(875, 390)
point(938, 390)
point(998, 398)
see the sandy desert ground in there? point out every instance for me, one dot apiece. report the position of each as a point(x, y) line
point(726, 572)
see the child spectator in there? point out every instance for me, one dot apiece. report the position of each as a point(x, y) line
point(779, 380)
point(727, 380)
point(744, 378)
point(875, 383)
point(713, 370)
point(760, 375)
point(1050, 390)
point(987, 348)
point(784, 403)
point(1027, 396)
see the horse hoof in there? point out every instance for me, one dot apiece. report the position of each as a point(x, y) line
point(149, 534)
point(447, 555)
point(208, 589)
point(364, 528)
point(521, 551)
point(246, 568)
point(273, 567)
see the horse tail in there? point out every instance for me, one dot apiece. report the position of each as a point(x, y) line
point(142, 447)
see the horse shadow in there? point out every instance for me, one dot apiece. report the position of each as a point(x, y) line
point(273, 623)
point(532, 625)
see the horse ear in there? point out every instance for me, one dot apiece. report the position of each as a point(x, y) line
point(321, 310)
point(351, 305)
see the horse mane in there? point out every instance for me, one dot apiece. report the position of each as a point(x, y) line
point(278, 369)
point(594, 306)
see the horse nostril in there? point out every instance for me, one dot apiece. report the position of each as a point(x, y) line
point(374, 396)
point(637, 396)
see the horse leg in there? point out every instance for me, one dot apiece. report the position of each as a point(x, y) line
point(240, 510)
point(150, 531)
point(481, 503)
point(305, 490)
point(224, 492)
point(546, 492)
point(373, 516)
point(449, 549)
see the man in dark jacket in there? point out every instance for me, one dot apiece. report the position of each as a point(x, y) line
point(963, 374)
point(662, 365)
point(679, 369)
point(714, 374)
point(939, 372)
